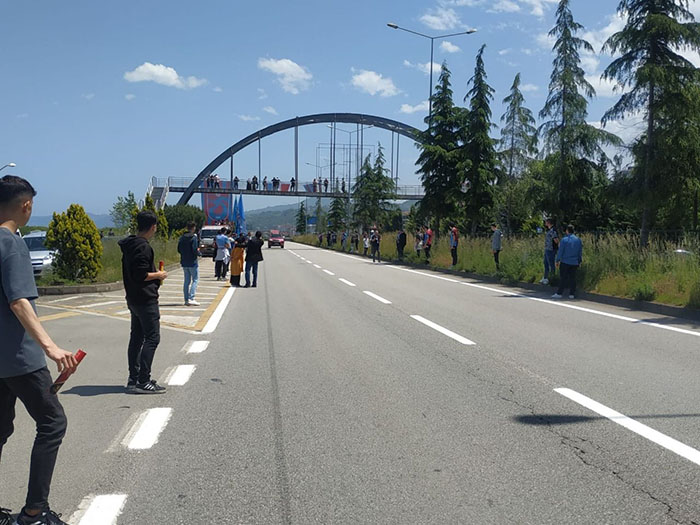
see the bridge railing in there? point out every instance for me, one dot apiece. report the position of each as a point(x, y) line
point(301, 187)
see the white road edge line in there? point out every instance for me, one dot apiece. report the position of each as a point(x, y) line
point(144, 434)
point(317, 266)
point(99, 510)
point(652, 435)
point(195, 347)
point(219, 312)
point(377, 297)
point(346, 282)
point(443, 330)
point(558, 303)
point(181, 374)
point(329, 272)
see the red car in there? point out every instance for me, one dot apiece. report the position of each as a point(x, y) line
point(275, 239)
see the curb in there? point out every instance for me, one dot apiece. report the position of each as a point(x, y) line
point(79, 288)
point(620, 302)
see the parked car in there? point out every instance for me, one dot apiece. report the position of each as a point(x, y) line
point(275, 239)
point(42, 257)
point(207, 236)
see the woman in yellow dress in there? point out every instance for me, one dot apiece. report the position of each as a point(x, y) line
point(237, 259)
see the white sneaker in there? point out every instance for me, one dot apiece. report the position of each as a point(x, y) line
point(556, 296)
point(545, 281)
point(572, 297)
point(192, 303)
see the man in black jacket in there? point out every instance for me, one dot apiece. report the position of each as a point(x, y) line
point(400, 243)
point(141, 282)
point(253, 257)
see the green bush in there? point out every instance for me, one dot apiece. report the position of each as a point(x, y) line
point(76, 239)
point(643, 292)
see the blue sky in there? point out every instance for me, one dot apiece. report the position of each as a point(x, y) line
point(97, 97)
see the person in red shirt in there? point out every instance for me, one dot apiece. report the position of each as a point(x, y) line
point(428, 243)
point(454, 242)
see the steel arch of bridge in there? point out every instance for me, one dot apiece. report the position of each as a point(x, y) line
point(321, 118)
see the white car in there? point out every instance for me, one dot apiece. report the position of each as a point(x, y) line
point(42, 257)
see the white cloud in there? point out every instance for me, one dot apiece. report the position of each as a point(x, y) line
point(425, 68)
point(538, 7)
point(262, 95)
point(628, 130)
point(248, 118)
point(504, 51)
point(598, 37)
point(449, 47)
point(163, 75)
point(529, 88)
point(441, 19)
point(408, 109)
point(463, 3)
point(505, 6)
point(526, 51)
point(88, 96)
point(270, 110)
point(217, 89)
point(545, 41)
point(292, 77)
point(129, 96)
point(373, 83)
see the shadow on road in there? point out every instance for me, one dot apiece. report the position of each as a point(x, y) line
point(565, 419)
point(95, 390)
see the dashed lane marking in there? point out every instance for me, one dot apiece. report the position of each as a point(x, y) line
point(329, 272)
point(317, 266)
point(377, 297)
point(649, 433)
point(196, 347)
point(99, 510)
point(443, 330)
point(147, 430)
point(346, 282)
point(181, 375)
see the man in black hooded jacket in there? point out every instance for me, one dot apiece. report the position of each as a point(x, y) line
point(141, 282)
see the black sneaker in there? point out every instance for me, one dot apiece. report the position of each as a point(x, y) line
point(149, 388)
point(48, 517)
point(5, 518)
point(130, 386)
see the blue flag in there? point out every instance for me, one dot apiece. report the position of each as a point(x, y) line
point(234, 218)
point(241, 214)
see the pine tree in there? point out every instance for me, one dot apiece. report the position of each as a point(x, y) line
point(518, 135)
point(439, 156)
point(567, 134)
point(301, 219)
point(320, 216)
point(77, 242)
point(337, 214)
point(372, 191)
point(162, 229)
point(479, 161)
point(121, 210)
point(659, 78)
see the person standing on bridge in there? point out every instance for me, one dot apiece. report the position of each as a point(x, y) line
point(255, 183)
point(292, 184)
point(25, 346)
point(188, 248)
point(253, 257)
point(141, 282)
point(264, 184)
point(315, 185)
point(325, 185)
point(235, 182)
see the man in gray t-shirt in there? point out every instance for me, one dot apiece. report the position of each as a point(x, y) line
point(25, 346)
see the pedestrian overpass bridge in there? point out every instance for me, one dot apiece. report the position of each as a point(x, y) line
point(160, 188)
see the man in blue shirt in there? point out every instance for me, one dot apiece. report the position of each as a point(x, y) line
point(25, 346)
point(568, 260)
point(222, 254)
point(188, 248)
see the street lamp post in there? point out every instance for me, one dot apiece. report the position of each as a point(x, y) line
point(10, 165)
point(432, 44)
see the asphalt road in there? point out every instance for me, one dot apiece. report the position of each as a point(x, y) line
point(429, 399)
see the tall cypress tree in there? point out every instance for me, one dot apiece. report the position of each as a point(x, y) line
point(479, 160)
point(518, 135)
point(659, 79)
point(439, 156)
point(301, 219)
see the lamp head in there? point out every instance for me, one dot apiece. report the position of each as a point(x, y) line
point(471, 31)
point(392, 25)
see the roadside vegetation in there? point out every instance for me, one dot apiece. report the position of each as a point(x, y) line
point(613, 264)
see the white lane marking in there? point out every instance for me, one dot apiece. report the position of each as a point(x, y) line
point(443, 330)
point(317, 266)
point(346, 282)
point(422, 273)
point(329, 272)
point(348, 256)
point(303, 258)
point(308, 262)
point(99, 510)
point(377, 297)
point(195, 347)
point(652, 435)
point(147, 429)
point(181, 375)
point(94, 305)
point(219, 312)
point(559, 304)
point(64, 299)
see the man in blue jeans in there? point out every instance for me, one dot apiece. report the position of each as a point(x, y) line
point(551, 244)
point(25, 346)
point(252, 258)
point(568, 260)
point(188, 248)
